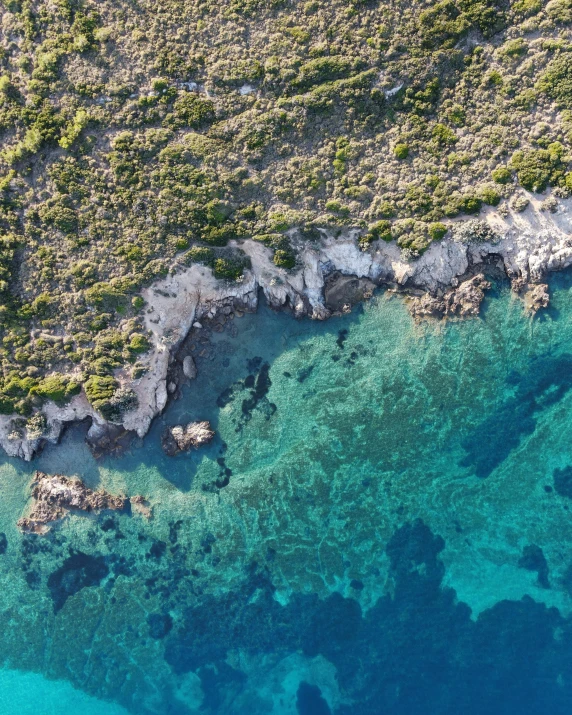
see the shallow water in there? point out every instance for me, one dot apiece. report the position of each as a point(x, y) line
point(382, 525)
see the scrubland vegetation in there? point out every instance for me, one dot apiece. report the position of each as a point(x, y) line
point(135, 137)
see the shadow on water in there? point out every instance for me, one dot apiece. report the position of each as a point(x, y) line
point(543, 385)
point(415, 651)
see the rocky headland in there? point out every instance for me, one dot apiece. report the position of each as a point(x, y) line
point(333, 273)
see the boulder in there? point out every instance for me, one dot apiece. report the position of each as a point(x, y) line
point(189, 368)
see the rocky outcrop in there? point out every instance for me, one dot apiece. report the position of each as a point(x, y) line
point(535, 296)
point(55, 496)
point(183, 438)
point(463, 300)
point(104, 439)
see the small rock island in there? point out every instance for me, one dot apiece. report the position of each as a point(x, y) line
point(180, 438)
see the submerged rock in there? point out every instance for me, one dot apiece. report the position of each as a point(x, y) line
point(142, 506)
point(463, 300)
point(181, 438)
point(77, 572)
point(55, 495)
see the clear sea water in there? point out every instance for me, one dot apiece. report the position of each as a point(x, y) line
point(382, 526)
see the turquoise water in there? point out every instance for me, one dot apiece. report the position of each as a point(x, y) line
point(382, 525)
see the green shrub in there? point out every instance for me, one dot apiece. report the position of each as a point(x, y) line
point(469, 204)
point(284, 259)
point(514, 48)
point(199, 254)
point(218, 235)
point(190, 110)
point(437, 231)
point(443, 135)
point(502, 175)
point(73, 130)
point(529, 7)
point(381, 230)
point(7, 406)
point(323, 69)
point(494, 78)
point(105, 295)
point(228, 268)
point(556, 81)
point(59, 216)
point(19, 386)
point(337, 208)
point(57, 388)
point(401, 151)
point(99, 388)
point(138, 344)
point(559, 11)
point(490, 196)
point(537, 168)
point(456, 115)
point(442, 24)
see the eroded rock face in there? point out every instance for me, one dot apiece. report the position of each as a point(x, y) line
point(464, 300)
point(56, 495)
point(182, 438)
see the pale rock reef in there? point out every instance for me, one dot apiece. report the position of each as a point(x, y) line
point(529, 243)
point(56, 495)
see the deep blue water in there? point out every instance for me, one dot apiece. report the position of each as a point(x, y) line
point(382, 525)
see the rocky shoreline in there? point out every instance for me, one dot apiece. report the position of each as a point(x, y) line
point(333, 274)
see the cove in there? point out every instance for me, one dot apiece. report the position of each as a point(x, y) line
point(382, 524)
